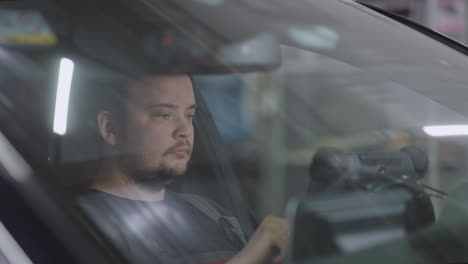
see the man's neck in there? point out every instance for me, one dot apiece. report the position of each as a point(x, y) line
point(111, 179)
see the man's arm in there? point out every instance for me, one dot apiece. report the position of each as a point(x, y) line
point(267, 244)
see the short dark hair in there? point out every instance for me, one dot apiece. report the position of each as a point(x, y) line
point(109, 96)
point(90, 97)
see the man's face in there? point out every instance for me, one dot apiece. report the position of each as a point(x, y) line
point(157, 135)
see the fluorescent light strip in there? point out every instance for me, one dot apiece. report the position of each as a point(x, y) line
point(63, 96)
point(446, 131)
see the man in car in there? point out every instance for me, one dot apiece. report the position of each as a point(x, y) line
point(148, 140)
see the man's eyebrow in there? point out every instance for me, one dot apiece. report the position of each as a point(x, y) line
point(194, 106)
point(168, 105)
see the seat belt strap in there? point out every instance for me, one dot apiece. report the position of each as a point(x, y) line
point(210, 210)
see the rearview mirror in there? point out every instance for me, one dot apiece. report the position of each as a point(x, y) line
point(129, 42)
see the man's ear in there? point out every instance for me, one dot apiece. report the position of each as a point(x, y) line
point(107, 127)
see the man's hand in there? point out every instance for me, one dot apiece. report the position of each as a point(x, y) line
point(267, 244)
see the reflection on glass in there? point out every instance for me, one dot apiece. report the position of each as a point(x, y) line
point(445, 131)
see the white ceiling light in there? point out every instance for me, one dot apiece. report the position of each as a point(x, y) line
point(63, 96)
point(446, 131)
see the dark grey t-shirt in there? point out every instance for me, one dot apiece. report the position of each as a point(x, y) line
point(168, 231)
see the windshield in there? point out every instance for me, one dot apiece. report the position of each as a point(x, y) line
point(131, 112)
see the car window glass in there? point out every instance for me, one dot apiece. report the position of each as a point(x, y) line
point(255, 130)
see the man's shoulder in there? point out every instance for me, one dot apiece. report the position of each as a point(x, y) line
point(97, 199)
point(200, 202)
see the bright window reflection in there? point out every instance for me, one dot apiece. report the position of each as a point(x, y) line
point(445, 131)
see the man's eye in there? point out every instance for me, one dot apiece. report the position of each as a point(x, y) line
point(161, 115)
point(191, 115)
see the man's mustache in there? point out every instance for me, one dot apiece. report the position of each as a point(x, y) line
point(177, 145)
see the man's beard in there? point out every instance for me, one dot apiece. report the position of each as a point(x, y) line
point(153, 179)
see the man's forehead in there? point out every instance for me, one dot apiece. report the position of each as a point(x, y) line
point(166, 80)
point(162, 88)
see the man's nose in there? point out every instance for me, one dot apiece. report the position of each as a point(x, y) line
point(183, 128)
